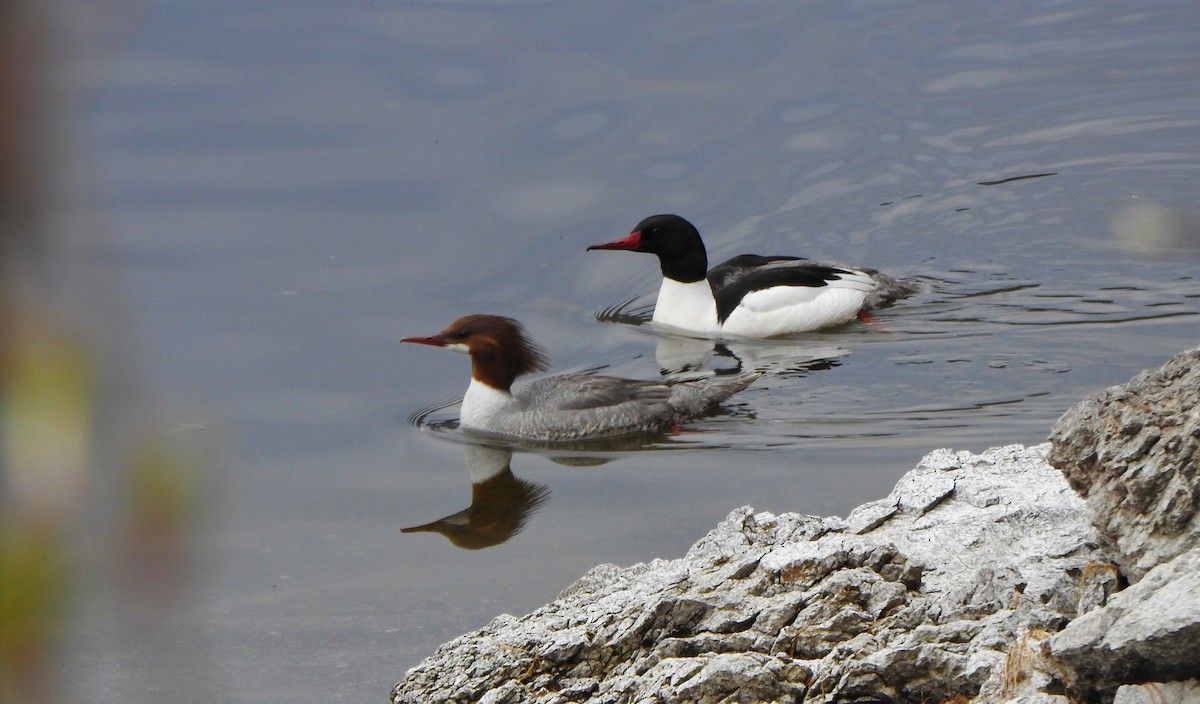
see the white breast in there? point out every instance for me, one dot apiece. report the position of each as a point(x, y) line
point(482, 405)
point(687, 307)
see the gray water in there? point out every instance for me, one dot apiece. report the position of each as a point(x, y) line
point(294, 186)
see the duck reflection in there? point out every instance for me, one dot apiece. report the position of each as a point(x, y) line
point(677, 355)
point(680, 354)
point(500, 502)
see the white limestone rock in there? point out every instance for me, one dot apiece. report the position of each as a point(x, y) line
point(1133, 452)
point(1148, 632)
point(922, 601)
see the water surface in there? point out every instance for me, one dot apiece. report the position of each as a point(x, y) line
point(295, 186)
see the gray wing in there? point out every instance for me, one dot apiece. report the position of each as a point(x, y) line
point(584, 392)
point(583, 406)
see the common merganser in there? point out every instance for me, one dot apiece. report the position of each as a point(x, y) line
point(501, 503)
point(569, 406)
point(751, 296)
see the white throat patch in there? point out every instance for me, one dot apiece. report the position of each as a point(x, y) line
point(482, 403)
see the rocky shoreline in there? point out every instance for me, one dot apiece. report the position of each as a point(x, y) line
point(1064, 572)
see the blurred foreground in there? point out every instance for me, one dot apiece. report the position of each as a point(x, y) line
point(100, 502)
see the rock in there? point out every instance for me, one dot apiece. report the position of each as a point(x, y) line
point(1133, 452)
point(945, 589)
point(1184, 692)
point(1148, 632)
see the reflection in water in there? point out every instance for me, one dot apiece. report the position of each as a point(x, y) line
point(787, 357)
point(500, 502)
point(677, 355)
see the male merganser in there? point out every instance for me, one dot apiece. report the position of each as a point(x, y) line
point(752, 296)
point(569, 406)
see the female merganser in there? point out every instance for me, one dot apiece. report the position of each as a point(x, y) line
point(566, 407)
point(752, 295)
point(500, 502)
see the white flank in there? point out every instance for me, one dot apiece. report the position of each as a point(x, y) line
point(778, 310)
point(764, 314)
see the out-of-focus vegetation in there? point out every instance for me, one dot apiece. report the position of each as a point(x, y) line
point(99, 506)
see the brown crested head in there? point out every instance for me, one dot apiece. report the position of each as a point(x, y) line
point(500, 349)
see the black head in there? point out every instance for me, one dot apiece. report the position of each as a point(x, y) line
point(676, 242)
